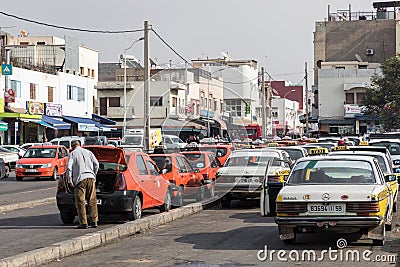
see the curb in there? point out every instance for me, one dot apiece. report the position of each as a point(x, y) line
point(28, 204)
point(100, 238)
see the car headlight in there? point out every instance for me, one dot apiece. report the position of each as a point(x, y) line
point(48, 165)
point(396, 162)
point(18, 166)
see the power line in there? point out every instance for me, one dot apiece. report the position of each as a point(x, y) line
point(68, 28)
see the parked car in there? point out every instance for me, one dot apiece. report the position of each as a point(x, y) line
point(15, 148)
point(173, 143)
point(208, 164)
point(93, 140)
point(67, 140)
point(342, 194)
point(393, 145)
point(178, 170)
point(42, 161)
point(3, 172)
point(222, 151)
point(127, 182)
point(295, 152)
point(10, 159)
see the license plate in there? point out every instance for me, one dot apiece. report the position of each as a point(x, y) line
point(99, 202)
point(330, 208)
point(242, 180)
point(30, 170)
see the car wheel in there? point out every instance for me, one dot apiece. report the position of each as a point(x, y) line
point(167, 202)
point(377, 242)
point(54, 176)
point(201, 195)
point(67, 217)
point(211, 190)
point(7, 171)
point(226, 201)
point(177, 201)
point(136, 212)
point(19, 178)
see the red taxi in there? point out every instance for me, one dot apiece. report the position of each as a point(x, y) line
point(127, 182)
point(42, 161)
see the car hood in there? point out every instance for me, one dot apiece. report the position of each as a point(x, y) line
point(249, 170)
point(315, 192)
point(27, 161)
point(108, 154)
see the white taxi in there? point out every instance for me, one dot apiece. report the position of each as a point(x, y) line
point(337, 193)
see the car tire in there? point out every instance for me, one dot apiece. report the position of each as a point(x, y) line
point(211, 191)
point(19, 178)
point(136, 212)
point(201, 195)
point(167, 202)
point(7, 171)
point(177, 201)
point(226, 201)
point(67, 217)
point(378, 242)
point(54, 176)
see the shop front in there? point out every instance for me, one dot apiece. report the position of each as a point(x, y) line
point(85, 127)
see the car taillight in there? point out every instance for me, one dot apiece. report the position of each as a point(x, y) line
point(362, 207)
point(120, 183)
point(290, 207)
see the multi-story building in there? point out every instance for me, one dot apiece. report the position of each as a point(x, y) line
point(349, 43)
point(51, 89)
point(240, 83)
point(285, 117)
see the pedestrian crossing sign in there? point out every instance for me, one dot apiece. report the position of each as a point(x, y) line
point(6, 69)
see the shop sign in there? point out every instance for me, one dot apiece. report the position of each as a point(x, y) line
point(9, 96)
point(35, 107)
point(352, 109)
point(87, 127)
point(204, 113)
point(54, 110)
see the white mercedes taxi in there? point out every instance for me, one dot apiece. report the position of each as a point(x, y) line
point(337, 193)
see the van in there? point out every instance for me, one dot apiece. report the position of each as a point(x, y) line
point(66, 141)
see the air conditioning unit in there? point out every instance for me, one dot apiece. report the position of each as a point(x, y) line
point(370, 52)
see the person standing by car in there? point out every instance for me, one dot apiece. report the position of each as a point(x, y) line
point(82, 168)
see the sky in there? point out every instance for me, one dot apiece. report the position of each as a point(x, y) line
point(277, 34)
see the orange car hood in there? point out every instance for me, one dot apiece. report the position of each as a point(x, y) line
point(35, 160)
point(108, 154)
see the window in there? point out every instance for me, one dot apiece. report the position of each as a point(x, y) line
point(82, 71)
point(181, 165)
point(32, 90)
point(16, 85)
point(60, 153)
point(75, 93)
point(215, 105)
point(156, 101)
point(141, 166)
point(50, 91)
point(103, 105)
point(174, 102)
point(360, 98)
point(92, 73)
point(152, 168)
point(114, 102)
point(349, 98)
point(234, 106)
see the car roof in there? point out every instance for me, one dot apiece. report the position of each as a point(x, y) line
point(337, 157)
point(46, 146)
point(356, 152)
point(384, 140)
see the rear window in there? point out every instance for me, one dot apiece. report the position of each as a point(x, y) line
point(197, 160)
point(294, 153)
point(219, 152)
point(163, 162)
point(394, 148)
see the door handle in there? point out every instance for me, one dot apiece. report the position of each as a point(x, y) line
point(142, 181)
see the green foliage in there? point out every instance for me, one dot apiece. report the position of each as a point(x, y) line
point(383, 96)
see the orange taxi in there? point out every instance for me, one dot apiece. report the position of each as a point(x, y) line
point(221, 151)
point(42, 161)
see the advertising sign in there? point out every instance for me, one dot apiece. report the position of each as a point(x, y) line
point(54, 110)
point(9, 96)
point(352, 109)
point(87, 127)
point(35, 107)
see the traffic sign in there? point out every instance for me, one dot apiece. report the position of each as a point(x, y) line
point(6, 69)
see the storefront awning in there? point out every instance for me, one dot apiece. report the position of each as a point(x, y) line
point(103, 120)
point(40, 122)
point(57, 123)
point(3, 126)
point(87, 124)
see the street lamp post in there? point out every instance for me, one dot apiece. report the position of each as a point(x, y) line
point(125, 109)
point(284, 106)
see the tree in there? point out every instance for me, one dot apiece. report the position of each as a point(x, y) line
point(382, 98)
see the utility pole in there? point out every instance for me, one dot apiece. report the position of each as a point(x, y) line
point(263, 114)
point(306, 84)
point(146, 114)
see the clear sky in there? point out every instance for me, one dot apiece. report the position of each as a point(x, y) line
point(278, 34)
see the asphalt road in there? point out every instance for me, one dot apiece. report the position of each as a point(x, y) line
point(222, 237)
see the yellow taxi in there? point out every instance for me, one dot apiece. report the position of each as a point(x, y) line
point(343, 194)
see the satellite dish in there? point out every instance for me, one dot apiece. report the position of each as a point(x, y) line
point(358, 57)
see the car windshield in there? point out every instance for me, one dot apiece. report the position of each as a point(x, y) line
point(92, 141)
point(40, 153)
point(133, 140)
point(219, 152)
point(294, 153)
point(332, 172)
point(251, 160)
point(176, 140)
point(2, 149)
point(394, 148)
point(197, 160)
point(163, 162)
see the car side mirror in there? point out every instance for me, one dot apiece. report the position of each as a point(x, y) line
point(390, 177)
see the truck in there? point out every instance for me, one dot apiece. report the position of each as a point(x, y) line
point(135, 137)
point(252, 131)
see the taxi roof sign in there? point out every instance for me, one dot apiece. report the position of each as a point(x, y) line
point(272, 144)
point(319, 151)
point(340, 148)
point(363, 143)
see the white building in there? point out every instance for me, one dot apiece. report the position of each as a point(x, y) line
point(52, 84)
point(285, 117)
point(341, 89)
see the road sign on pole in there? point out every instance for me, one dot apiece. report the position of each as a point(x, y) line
point(6, 69)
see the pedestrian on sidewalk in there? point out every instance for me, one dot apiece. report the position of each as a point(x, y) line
point(82, 168)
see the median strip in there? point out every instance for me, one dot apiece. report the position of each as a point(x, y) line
point(100, 238)
point(27, 204)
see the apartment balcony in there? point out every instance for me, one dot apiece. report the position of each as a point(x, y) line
point(118, 112)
